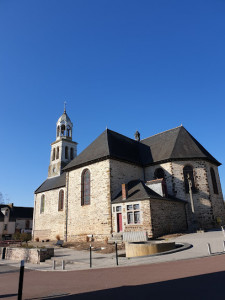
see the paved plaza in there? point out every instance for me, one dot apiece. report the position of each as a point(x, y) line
point(191, 274)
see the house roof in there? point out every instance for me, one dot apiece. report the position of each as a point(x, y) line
point(17, 212)
point(137, 190)
point(176, 144)
point(52, 183)
point(173, 144)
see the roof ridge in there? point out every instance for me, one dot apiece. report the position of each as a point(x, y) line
point(121, 135)
point(162, 132)
point(176, 142)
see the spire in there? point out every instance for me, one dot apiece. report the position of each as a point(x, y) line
point(64, 106)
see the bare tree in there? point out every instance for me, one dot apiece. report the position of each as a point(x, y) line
point(2, 201)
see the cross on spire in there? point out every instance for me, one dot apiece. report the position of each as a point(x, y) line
point(64, 106)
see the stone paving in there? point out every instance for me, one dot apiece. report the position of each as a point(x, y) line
point(80, 260)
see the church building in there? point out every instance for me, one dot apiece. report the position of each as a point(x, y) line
point(161, 184)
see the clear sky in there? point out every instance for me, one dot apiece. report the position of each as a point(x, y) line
point(128, 65)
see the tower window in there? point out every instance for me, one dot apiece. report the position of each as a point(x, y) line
point(42, 207)
point(61, 200)
point(68, 131)
point(63, 128)
point(53, 154)
point(71, 153)
point(159, 173)
point(66, 152)
point(85, 187)
point(188, 170)
point(214, 183)
point(57, 153)
point(57, 131)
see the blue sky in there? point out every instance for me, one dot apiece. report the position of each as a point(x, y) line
point(128, 65)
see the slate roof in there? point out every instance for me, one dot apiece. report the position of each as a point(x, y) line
point(137, 190)
point(52, 183)
point(176, 144)
point(173, 144)
point(17, 212)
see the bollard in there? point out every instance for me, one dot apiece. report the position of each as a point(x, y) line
point(222, 230)
point(20, 288)
point(116, 254)
point(63, 264)
point(209, 249)
point(3, 253)
point(53, 264)
point(90, 257)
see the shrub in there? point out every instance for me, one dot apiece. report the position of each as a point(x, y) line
point(58, 237)
point(37, 239)
point(25, 237)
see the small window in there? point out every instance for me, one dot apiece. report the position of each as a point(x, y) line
point(213, 177)
point(188, 172)
point(133, 214)
point(66, 152)
point(53, 154)
point(42, 208)
point(57, 131)
point(6, 213)
point(159, 173)
point(57, 153)
point(85, 187)
point(118, 208)
point(27, 225)
point(71, 153)
point(5, 226)
point(61, 200)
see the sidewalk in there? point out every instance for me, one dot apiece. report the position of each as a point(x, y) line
point(80, 260)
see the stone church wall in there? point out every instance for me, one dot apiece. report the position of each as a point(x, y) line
point(216, 199)
point(202, 198)
point(122, 172)
point(167, 216)
point(94, 218)
point(167, 167)
point(51, 222)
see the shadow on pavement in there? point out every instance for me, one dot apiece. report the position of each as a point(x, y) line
point(8, 295)
point(208, 286)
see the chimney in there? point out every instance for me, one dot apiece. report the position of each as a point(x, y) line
point(10, 205)
point(124, 191)
point(137, 136)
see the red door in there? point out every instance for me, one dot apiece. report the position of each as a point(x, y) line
point(119, 222)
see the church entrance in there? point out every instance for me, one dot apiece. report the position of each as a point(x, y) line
point(119, 222)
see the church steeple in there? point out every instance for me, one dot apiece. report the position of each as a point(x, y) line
point(64, 127)
point(63, 149)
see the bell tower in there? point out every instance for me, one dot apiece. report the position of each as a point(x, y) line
point(63, 150)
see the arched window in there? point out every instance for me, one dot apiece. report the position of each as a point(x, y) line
point(42, 207)
point(159, 173)
point(57, 153)
point(53, 154)
point(61, 200)
point(66, 152)
point(213, 177)
point(57, 131)
point(63, 128)
point(68, 131)
point(85, 187)
point(188, 170)
point(71, 153)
